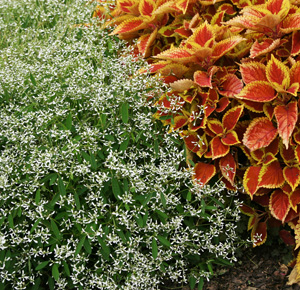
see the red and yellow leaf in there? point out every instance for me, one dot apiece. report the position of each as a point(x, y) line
point(218, 149)
point(144, 43)
point(129, 6)
point(228, 167)
point(222, 47)
point(181, 55)
point(253, 71)
point(203, 35)
point(257, 91)
point(264, 47)
point(250, 180)
point(260, 133)
point(271, 175)
point(203, 173)
point(231, 86)
point(146, 7)
point(247, 210)
point(292, 176)
point(182, 85)
point(231, 117)
point(230, 138)
point(295, 73)
point(131, 25)
point(279, 204)
point(286, 117)
point(259, 234)
point(191, 140)
point(278, 74)
point(215, 126)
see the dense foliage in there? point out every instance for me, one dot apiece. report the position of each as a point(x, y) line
point(234, 70)
point(94, 193)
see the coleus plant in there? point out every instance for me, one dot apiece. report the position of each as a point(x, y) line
point(234, 73)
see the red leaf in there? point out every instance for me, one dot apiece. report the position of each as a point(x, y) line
point(276, 6)
point(253, 71)
point(279, 204)
point(222, 104)
point(259, 234)
point(271, 175)
point(295, 199)
point(247, 210)
point(257, 91)
point(191, 140)
point(218, 149)
point(295, 73)
point(286, 117)
point(259, 134)
point(295, 43)
point(228, 167)
point(231, 86)
point(203, 173)
point(250, 180)
point(292, 176)
point(203, 79)
point(231, 117)
point(287, 237)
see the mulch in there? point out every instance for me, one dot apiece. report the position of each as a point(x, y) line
point(256, 269)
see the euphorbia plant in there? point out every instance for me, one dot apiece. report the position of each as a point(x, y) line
point(234, 74)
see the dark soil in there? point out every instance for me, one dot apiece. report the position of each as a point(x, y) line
point(261, 268)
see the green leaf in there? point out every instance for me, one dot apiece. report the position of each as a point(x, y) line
point(68, 121)
point(124, 145)
point(164, 241)
point(125, 115)
point(42, 265)
point(93, 162)
point(105, 250)
point(11, 221)
point(209, 266)
point(77, 201)
point(139, 220)
point(87, 246)
point(192, 282)
point(55, 229)
point(55, 272)
point(189, 196)
point(66, 267)
point(35, 225)
point(51, 283)
point(53, 179)
point(37, 283)
point(154, 248)
point(115, 187)
point(37, 197)
point(222, 262)
point(61, 186)
point(201, 283)
point(80, 244)
point(32, 79)
point(163, 199)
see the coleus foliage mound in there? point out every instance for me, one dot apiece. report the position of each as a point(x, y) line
point(234, 70)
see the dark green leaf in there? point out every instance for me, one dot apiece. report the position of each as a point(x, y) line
point(164, 241)
point(124, 145)
point(55, 272)
point(125, 115)
point(66, 267)
point(192, 282)
point(201, 283)
point(55, 229)
point(87, 246)
point(32, 79)
point(163, 199)
point(154, 248)
point(61, 186)
point(53, 179)
point(42, 265)
point(77, 201)
point(80, 244)
point(10, 221)
point(68, 122)
point(115, 187)
point(37, 196)
point(35, 225)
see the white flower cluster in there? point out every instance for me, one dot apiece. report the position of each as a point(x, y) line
point(93, 194)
